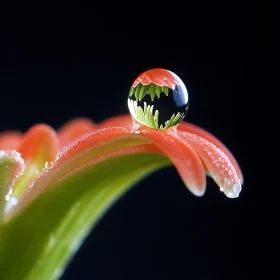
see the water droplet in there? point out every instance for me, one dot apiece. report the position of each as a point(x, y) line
point(11, 202)
point(58, 156)
point(48, 165)
point(232, 190)
point(158, 99)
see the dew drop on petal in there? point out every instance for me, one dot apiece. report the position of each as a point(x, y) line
point(232, 190)
point(58, 156)
point(11, 202)
point(158, 99)
point(48, 165)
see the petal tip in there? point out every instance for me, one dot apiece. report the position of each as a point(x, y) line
point(196, 190)
point(199, 193)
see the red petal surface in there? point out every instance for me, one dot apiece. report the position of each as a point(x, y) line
point(118, 121)
point(40, 144)
point(145, 148)
point(217, 162)
point(219, 150)
point(10, 140)
point(189, 148)
point(100, 143)
point(187, 127)
point(74, 130)
point(193, 176)
point(182, 155)
point(126, 120)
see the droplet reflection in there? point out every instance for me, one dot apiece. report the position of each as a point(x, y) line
point(158, 99)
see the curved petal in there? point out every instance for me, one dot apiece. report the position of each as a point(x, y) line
point(182, 155)
point(106, 140)
point(97, 143)
point(187, 127)
point(119, 121)
point(10, 140)
point(38, 147)
point(74, 130)
point(217, 162)
point(40, 144)
point(127, 121)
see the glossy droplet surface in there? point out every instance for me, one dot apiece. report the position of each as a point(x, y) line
point(158, 99)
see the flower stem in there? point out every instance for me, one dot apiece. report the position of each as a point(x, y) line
point(41, 239)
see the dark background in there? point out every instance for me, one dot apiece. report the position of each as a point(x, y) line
point(58, 62)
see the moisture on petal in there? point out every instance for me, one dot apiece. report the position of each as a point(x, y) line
point(11, 168)
point(182, 155)
point(187, 127)
point(218, 164)
point(231, 188)
point(39, 145)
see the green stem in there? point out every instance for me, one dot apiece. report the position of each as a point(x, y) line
point(40, 241)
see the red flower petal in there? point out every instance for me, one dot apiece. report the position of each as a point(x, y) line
point(210, 142)
point(74, 130)
point(118, 121)
point(181, 160)
point(40, 144)
point(190, 153)
point(217, 162)
point(10, 140)
point(182, 155)
point(99, 143)
point(127, 121)
point(187, 127)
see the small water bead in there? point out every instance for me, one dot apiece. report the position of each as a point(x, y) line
point(158, 99)
point(48, 165)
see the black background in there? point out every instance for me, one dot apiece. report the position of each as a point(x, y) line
point(63, 61)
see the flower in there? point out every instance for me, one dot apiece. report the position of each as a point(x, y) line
point(55, 185)
point(193, 151)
